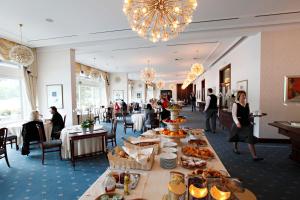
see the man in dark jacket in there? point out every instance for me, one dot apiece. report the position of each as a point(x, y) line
point(193, 101)
point(211, 110)
point(57, 123)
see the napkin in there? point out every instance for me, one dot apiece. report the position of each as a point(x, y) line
point(140, 155)
point(138, 140)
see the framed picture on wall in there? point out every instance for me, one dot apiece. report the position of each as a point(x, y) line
point(55, 96)
point(292, 89)
point(138, 95)
point(242, 85)
point(118, 95)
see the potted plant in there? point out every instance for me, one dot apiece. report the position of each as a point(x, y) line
point(87, 124)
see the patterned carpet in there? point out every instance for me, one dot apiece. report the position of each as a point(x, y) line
point(276, 177)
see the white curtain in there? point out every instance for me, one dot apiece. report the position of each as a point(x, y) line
point(104, 77)
point(30, 79)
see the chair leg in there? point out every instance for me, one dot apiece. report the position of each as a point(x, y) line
point(11, 142)
point(43, 157)
point(125, 129)
point(60, 153)
point(6, 158)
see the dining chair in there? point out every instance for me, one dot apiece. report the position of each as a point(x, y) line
point(96, 115)
point(12, 139)
point(51, 146)
point(127, 124)
point(111, 137)
point(3, 152)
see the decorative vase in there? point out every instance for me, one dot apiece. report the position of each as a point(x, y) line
point(83, 130)
point(91, 128)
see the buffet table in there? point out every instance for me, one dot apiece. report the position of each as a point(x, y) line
point(153, 184)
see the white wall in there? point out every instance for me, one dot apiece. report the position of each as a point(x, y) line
point(118, 81)
point(138, 87)
point(57, 67)
point(280, 57)
point(245, 65)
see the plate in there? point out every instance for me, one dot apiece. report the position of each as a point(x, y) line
point(169, 150)
point(168, 156)
point(170, 144)
point(109, 196)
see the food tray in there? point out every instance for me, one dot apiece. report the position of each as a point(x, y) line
point(133, 184)
point(198, 152)
point(115, 161)
point(155, 146)
point(110, 195)
point(198, 163)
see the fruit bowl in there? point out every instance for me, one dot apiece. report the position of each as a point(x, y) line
point(173, 134)
point(175, 121)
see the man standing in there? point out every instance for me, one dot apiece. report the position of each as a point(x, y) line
point(210, 111)
point(193, 101)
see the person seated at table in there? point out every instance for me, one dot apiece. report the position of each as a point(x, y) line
point(136, 107)
point(57, 123)
point(165, 114)
point(30, 132)
point(150, 116)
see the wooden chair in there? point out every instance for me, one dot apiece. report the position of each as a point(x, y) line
point(3, 152)
point(111, 137)
point(12, 139)
point(127, 124)
point(97, 115)
point(52, 144)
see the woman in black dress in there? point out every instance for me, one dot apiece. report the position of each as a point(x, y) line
point(242, 128)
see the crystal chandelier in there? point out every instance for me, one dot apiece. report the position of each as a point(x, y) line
point(172, 86)
point(21, 54)
point(160, 84)
point(197, 69)
point(159, 19)
point(186, 83)
point(148, 75)
point(191, 76)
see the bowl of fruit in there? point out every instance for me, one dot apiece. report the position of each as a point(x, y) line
point(173, 134)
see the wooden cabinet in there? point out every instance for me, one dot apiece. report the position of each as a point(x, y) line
point(225, 118)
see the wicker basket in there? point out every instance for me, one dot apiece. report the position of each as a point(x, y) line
point(115, 161)
point(155, 146)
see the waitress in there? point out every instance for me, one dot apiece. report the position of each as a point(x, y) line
point(242, 128)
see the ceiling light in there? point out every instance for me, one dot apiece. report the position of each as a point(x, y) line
point(191, 76)
point(148, 74)
point(197, 69)
point(172, 86)
point(160, 84)
point(21, 54)
point(159, 19)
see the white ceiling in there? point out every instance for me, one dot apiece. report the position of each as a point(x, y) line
point(98, 29)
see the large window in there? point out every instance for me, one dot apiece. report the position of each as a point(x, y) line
point(90, 93)
point(13, 101)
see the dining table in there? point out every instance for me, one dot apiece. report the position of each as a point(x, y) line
point(138, 121)
point(16, 129)
point(153, 184)
point(82, 146)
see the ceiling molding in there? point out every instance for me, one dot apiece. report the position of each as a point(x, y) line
point(215, 20)
point(53, 38)
point(190, 43)
point(228, 50)
point(276, 14)
point(135, 48)
point(111, 31)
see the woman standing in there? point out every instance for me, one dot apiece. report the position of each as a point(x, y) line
point(242, 129)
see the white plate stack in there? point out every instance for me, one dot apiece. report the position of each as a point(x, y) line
point(168, 160)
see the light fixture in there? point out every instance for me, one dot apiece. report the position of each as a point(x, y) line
point(186, 83)
point(159, 19)
point(148, 74)
point(191, 76)
point(160, 84)
point(197, 69)
point(172, 86)
point(21, 54)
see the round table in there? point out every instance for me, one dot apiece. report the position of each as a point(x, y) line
point(138, 121)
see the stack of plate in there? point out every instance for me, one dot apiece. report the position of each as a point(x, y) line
point(170, 144)
point(169, 150)
point(168, 160)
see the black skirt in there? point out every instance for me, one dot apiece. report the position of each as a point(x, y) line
point(243, 134)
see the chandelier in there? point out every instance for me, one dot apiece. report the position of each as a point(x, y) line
point(197, 69)
point(159, 19)
point(148, 75)
point(21, 54)
point(160, 84)
point(186, 83)
point(191, 76)
point(172, 86)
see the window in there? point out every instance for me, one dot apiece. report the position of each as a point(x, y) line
point(90, 93)
point(13, 102)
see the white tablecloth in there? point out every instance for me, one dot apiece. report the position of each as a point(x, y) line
point(80, 147)
point(138, 121)
point(154, 184)
point(16, 129)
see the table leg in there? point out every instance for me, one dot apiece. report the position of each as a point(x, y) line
point(72, 153)
point(295, 154)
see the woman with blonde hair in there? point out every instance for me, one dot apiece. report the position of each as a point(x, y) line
point(35, 116)
point(242, 128)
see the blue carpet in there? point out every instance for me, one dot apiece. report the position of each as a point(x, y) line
point(276, 177)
